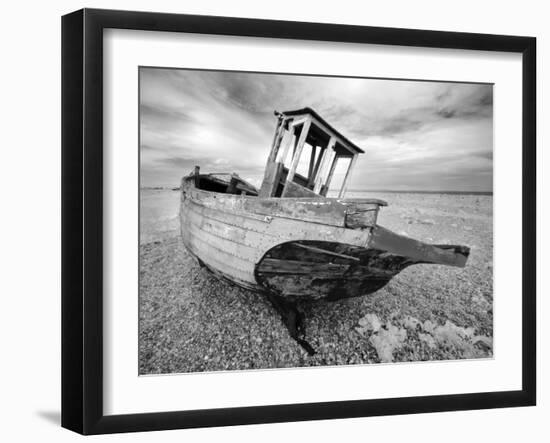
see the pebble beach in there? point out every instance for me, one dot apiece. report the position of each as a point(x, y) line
point(190, 321)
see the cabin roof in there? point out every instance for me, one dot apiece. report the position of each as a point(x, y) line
point(325, 123)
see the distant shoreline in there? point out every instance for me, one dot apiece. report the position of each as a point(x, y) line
point(423, 192)
point(176, 188)
point(159, 188)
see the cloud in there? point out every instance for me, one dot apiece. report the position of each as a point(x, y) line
point(421, 135)
point(488, 155)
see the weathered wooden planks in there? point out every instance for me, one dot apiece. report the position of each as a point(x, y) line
point(241, 238)
point(271, 179)
point(321, 176)
point(362, 215)
point(348, 176)
point(316, 210)
point(320, 272)
point(264, 231)
point(278, 266)
point(230, 234)
point(293, 189)
point(299, 148)
point(325, 252)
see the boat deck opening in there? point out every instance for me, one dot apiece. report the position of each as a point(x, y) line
point(224, 184)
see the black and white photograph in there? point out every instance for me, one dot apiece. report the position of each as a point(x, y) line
point(247, 222)
point(299, 220)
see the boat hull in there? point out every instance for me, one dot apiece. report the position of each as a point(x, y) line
point(331, 270)
point(230, 240)
point(297, 248)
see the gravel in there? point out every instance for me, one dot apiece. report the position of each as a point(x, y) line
point(190, 321)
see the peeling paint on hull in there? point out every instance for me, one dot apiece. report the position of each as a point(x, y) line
point(230, 239)
point(298, 248)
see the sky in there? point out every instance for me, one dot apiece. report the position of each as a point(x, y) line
point(417, 135)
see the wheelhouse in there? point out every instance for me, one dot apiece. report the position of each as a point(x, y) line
point(306, 155)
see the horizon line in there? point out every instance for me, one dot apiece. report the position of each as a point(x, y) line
point(410, 191)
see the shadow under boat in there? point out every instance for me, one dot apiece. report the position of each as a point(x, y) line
point(288, 240)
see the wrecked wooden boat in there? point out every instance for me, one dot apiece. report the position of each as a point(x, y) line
point(289, 240)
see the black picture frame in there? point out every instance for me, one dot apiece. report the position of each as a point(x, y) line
point(82, 220)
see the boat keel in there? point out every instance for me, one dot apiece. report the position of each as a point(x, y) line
point(293, 319)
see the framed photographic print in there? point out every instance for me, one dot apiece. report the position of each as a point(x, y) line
point(269, 221)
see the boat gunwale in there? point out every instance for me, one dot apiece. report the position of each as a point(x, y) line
point(320, 198)
point(342, 204)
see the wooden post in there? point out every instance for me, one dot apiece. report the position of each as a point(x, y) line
point(324, 162)
point(197, 179)
point(299, 148)
point(288, 143)
point(347, 177)
point(296, 138)
point(318, 180)
point(279, 132)
point(311, 163)
point(331, 173)
point(232, 188)
point(266, 190)
point(313, 176)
